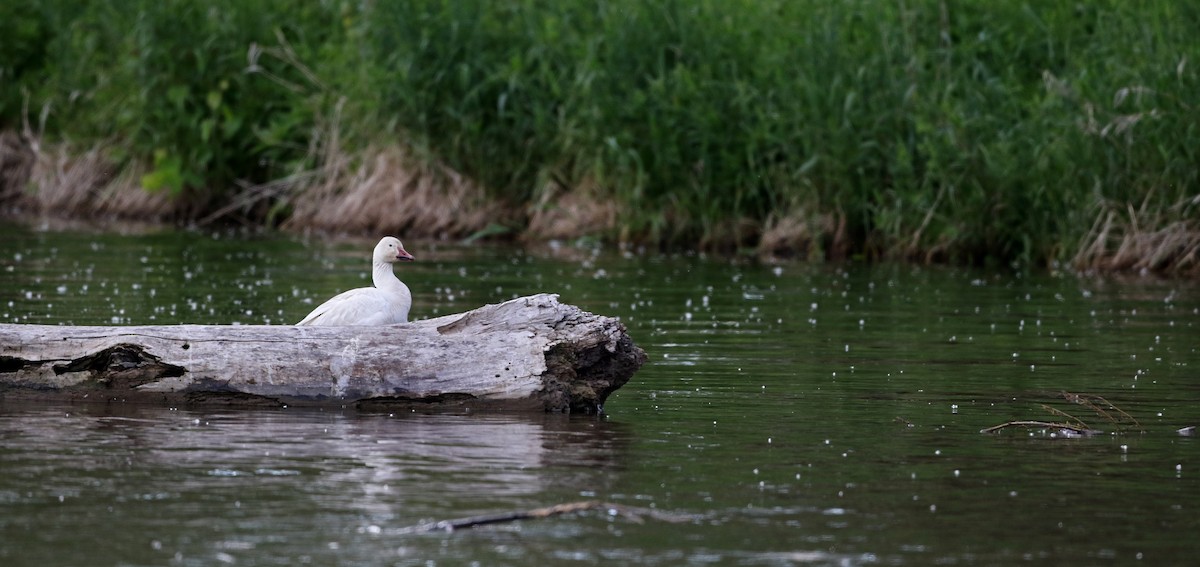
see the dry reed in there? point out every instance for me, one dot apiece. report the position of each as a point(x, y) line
point(567, 214)
point(1142, 241)
point(57, 180)
point(386, 190)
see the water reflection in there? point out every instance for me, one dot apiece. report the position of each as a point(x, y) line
point(280, 476)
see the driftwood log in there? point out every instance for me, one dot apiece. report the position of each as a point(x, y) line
point(528, 353)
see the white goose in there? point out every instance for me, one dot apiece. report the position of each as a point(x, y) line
point(386, 303)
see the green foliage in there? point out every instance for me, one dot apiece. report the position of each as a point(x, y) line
point(968, 131)
point(22, 54)
point(169, 81)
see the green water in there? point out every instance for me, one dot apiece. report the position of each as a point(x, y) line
point(789, 414)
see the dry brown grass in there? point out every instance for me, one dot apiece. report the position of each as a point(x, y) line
point(385, 190)
point(560, 214)
point(16, 166)
point(802, 233)
point(1141, 241)
point(56, 180)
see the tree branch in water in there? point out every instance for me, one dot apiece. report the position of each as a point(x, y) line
point(1045, 424)
point(631, 513)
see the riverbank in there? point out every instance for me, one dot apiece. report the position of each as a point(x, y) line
point(1006, 134)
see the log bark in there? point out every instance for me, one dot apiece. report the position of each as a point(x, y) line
point(528, 353)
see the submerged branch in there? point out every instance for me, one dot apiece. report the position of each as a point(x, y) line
point(1094, 403)
point(1045, 424)
point(1097, 404)
point(1060, 413)
point(634, 514)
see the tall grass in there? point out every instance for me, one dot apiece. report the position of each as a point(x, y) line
point(962, 131)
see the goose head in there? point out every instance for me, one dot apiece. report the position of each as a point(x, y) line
point(391, 250)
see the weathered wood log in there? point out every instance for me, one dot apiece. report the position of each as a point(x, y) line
point(528, 353)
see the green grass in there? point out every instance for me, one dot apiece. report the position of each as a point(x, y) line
point(957, 131)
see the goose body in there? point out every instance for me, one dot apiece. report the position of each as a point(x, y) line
point(385, 304)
